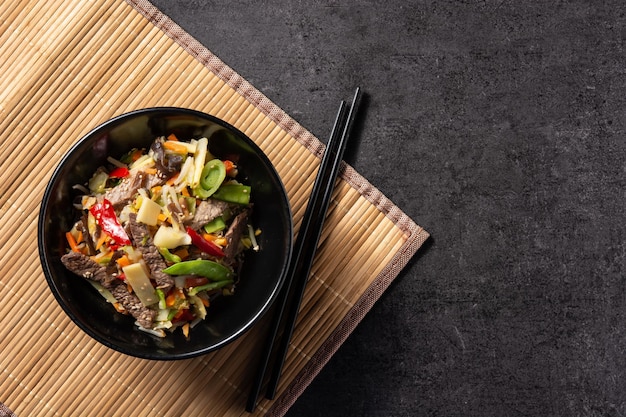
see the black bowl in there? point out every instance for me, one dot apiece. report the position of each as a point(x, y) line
point(262, 274)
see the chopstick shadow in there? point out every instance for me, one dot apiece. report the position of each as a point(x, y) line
point(352, 150)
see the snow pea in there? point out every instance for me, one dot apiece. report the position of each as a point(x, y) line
point(210, 286)
point(161, 295)
point(169, 256)
point(215, 225)
point(202, 267)
point(234, 193)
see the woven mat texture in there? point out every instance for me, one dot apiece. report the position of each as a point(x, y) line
point(68, 65)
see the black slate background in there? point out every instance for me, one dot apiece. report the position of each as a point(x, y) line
point(499, 126)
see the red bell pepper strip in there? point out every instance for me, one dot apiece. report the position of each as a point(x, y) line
point(204, 245)
point(107, 220)
point(119, 172)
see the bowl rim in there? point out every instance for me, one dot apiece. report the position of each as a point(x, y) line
point(159, 356)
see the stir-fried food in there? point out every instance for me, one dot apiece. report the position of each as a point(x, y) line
point(161, 232)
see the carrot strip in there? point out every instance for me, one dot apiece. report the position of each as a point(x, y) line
point(175, 147)
point(209, 236)
point(72, 242)
point(123, 261)
point(172, 180)
point(182, 253)
point(170, 300)
point(229, 165)
point(119, 308)
point(101, 240)
point(136, 155)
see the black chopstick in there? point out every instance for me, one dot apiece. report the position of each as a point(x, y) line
point(318, 215)
point(283, 297)
point(304, 252)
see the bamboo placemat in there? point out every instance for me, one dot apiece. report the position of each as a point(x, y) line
point(68, 65)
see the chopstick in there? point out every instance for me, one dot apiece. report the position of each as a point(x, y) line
point(305, 246)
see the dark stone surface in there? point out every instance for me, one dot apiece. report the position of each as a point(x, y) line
point(498, 126)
